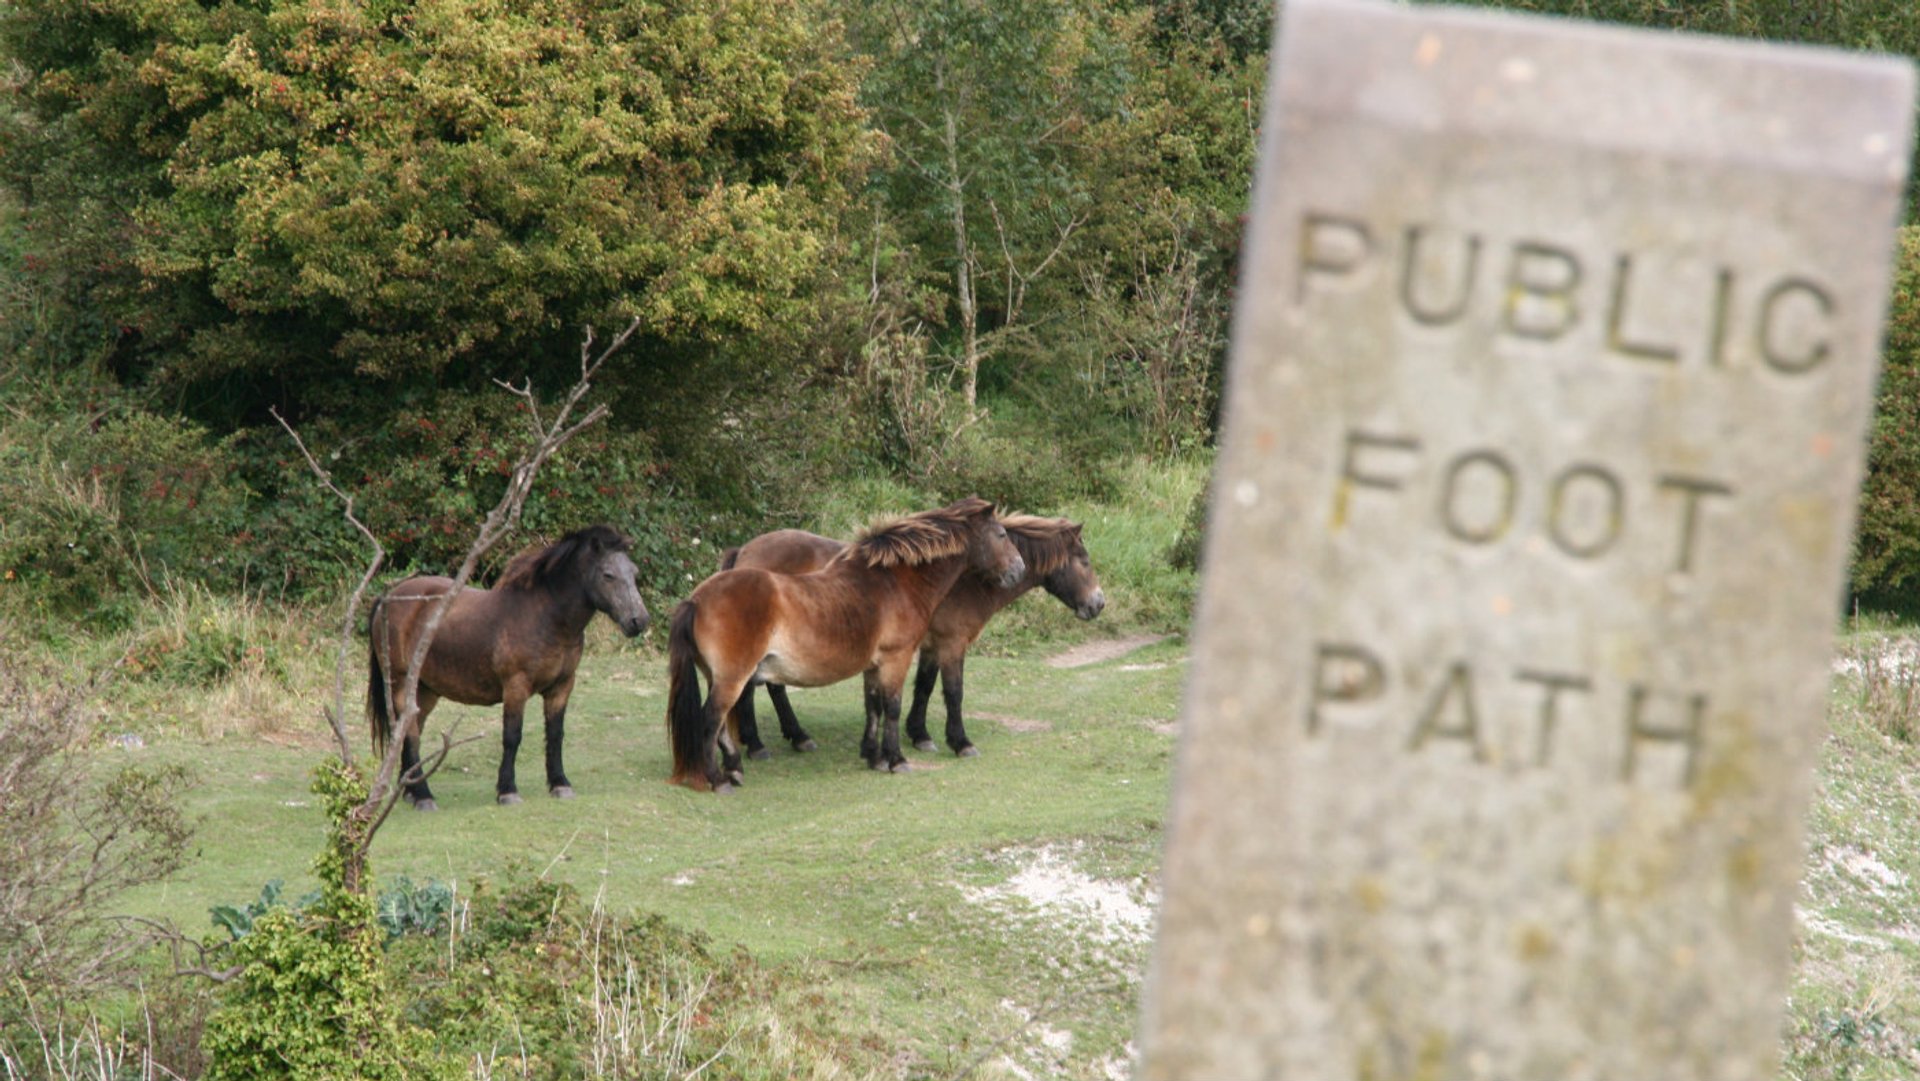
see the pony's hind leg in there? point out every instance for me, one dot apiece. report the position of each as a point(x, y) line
point(721, 754)
point(730, 742)
point(880, 745)
point(923, 681)
point(790, 729)
point(953, 676)
point(747, 726)
point(411, 776)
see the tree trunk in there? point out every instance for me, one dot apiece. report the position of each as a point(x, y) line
point(963, 267)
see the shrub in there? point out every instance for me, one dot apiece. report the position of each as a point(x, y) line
point(314, 997)
point(1886, 560)
point(69, 844)
point(102, 509)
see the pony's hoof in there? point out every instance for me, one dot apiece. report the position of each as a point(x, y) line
point(506, 799)
point(424, 805)
point(806, 745)
point(723, 789)
point(564, 791)
point(902, 766)
point(925, 745)
point(876, 764)
point(736, 777)
point(759, 754)
point(969, 751)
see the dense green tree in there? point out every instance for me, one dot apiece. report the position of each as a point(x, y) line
point(306, 193)
point(987, 104)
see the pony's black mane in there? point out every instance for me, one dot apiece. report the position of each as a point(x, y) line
point(918, 538)
point(538, 568)
point(1046, 544)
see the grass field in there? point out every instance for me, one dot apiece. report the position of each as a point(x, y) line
point(992, 913)
point(986, 917)
point(959, 902)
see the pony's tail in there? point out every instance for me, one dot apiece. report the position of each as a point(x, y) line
point(686, 720)
point(728, 558)
point(379, 719)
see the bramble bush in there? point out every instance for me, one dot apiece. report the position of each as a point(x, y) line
point(103, 505)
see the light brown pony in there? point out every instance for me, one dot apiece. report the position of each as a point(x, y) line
point(1056, 559)
point(862, 614)
point(501, 645)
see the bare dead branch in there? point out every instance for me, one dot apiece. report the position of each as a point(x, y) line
point(173, 939)
point(336, 717)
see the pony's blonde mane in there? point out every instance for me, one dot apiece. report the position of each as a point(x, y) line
point(1046, 544)
point(918, 538)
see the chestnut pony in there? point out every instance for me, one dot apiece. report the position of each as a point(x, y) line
point(864, 613)
point(502, 645)
point(1056, 559)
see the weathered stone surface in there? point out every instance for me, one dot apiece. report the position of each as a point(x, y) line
point(1554, 354)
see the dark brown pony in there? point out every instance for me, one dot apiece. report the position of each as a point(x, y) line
point(502, 645)
point(862, 614)
point(1056, 559)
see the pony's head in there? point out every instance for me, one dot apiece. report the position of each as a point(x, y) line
point(1055, 553)
point(596, 560)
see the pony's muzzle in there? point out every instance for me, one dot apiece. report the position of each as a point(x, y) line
point(1094, 605)
point(632, 626)
point(1014, 572)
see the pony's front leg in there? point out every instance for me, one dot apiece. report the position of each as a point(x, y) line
point(554, 705)
point(513, 709)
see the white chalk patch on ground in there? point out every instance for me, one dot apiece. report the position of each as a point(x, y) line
point(1112, 921)
point(1820, 925)
point(1893, 657)
point(1048, 881)
point(1106, 649)
point(1120, 1068)
point(1865, 867)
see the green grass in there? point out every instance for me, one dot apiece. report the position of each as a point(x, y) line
point(817, 862)
point(888, 902)
point(894, 896)
point(1854, 1010)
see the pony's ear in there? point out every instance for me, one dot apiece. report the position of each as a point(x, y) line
point(1073, 529)
point(988, 509)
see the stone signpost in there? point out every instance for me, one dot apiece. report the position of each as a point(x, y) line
point(1554, 351)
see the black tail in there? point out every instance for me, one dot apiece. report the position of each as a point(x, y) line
point(686, 719)
point(728, 558)
point(378, 713)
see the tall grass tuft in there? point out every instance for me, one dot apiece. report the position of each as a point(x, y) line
point(1890, 689)
point(60, 1048)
